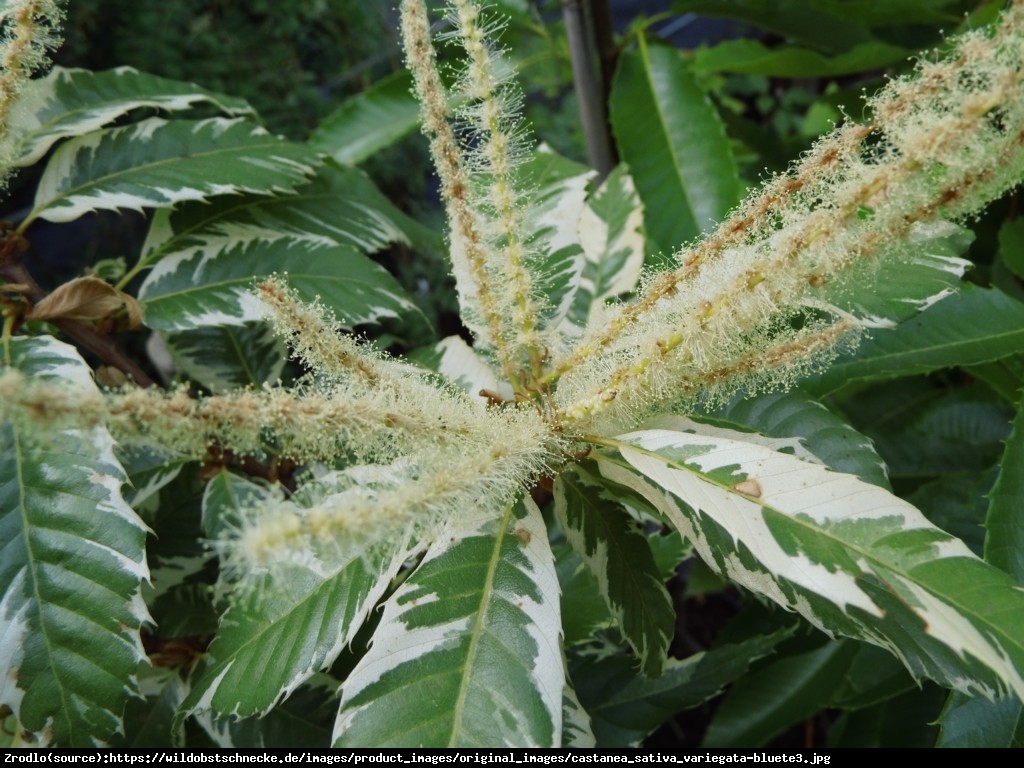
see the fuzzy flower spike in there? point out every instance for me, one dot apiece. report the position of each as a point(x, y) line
point(762, 299)
point(28, 32)
point(476, 150)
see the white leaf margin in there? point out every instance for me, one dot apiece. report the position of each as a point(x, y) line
point(66, 366)
point(792, 486)
point(56, 202)
point(28, 138)
point(599, 241)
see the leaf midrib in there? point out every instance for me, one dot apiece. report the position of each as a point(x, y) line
point(477, 632)
point(240, 151)
point(666, 133)
point(867, 554)
point(35, 576)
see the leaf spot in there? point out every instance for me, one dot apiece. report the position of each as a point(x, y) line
point(749, 487)
point(523, 535)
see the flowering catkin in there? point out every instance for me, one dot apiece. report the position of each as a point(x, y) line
point(477, 149)
point(942, 142)
point(28, 32)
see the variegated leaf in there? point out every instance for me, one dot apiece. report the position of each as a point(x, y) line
point(584, 611)
point(301, 722)
point(72, 566)
point(576, 730)
point(73, 102)
point(467, 652)
point(808, 425)
point(926, 269)
point(301, 616)
point(208, 257)
point(616, 551)
point(850, 557)
point(340, 206)
point(610, 231)
point(211, 284)
point(223, 358)
point(156, 163)
point(558, 191)
point(149, 469)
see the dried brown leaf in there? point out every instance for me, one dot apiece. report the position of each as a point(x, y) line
point(89, 299)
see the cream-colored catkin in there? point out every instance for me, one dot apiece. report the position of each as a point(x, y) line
point(402, 501)
point(29, 31)
point(490, 116)
point(942, 143)
point(468, 248)
point(477, 149)
point(386, 401)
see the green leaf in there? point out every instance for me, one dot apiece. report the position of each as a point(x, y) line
point(977, 722)
point(904, 721)
point(814, 24)
point(223, 358)
point(1005, 376)
point(968, 722)
point(73, 102)
point(369, 121)
point(873, 676)
point(467, 652)
point(828, 25)
point(72, 562)
point(286, 625)
point(922, 269)
point(1004, 540)
point(753, 57)
point(826, 435)
point(781, 693)
point(924, 431)
point(609, 541)
point(848, 556)
point(625, 707)
point(675, 145)
point(1011, 245)
point(611, 234)
point(156, 164)
point(976, 326)
point(955, 501)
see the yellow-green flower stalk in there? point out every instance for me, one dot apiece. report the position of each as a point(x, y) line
point(941, 144)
